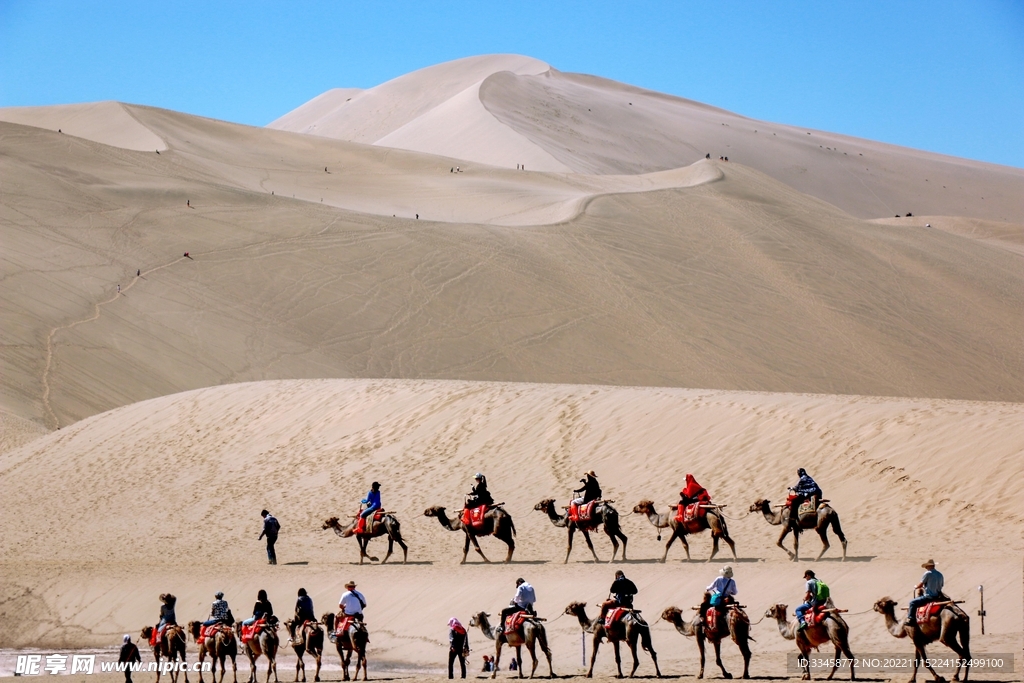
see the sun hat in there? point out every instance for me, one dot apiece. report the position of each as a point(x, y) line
point(350, 584)
point(930, 564)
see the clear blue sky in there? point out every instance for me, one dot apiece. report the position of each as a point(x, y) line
point(936, 75)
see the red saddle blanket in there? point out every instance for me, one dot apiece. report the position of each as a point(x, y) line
point(711, 619)
point(691, 515)
point(613, 616)
point(250, 631)
point(210, 631)
point(361, 522)
point(582, 514)
point(156, 635)
point(816, 616)
point(342, 623)
point(474, 517)
point(926, 612)
point(514, 621)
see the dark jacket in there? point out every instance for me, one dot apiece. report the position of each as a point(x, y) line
point(304, 609)
point(479, 495)
point(129, 653)
point(623, 590)
point(167, 614)
point(807, 487)
point(591, 490)
point(457, 641)
point(263, 608)
point(270, 527)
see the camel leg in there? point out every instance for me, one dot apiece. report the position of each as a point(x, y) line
point(718, 658)
point(519, 661)
point(782, 537)
point(732, 547)
point(505, 534)
point(497, 656)
point(834, 521)
point(391, 549)
point(796, 547)
point(744, 645)
point(542, 638)
point(671, 539)
point(156, 656)
point(568, 547)
point(234, 670)
point(822, 530)
point(700, 647)
point(593, 655)
point(201, 665)
point(686, 546)
point(531, 646)
point(618, 657)
point(714, 546)
point(404, 547)
point(948, 638)
point(590, 544)
point(924, 659)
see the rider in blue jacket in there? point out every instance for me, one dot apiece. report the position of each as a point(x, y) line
point(372, 501)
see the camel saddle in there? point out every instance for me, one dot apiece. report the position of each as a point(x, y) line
point(210, 631)
point(360, 527)
point(582, 514)
point(250, 631)
point(474, 517)
point(157, 635)
point(514, 621)
point(815, 616)
point(711, 619)
point(614, 615)
point(926, 612)
point(690, 516)
point(341, 624)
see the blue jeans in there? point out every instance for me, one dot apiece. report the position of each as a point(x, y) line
point(368, 511)
point(271, 555)
point(803, 608)
point(211, 622)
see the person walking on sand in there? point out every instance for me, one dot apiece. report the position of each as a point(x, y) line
point(271, 527)
point(129, 655)
point(458, 646)
point(119, 289)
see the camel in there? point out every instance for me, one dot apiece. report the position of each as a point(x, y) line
point(631, 628)
point(266, 643)
point(833, 629)
point(603, 513)
point(530, 633)
point(171, 647)
point(497, 522)
point(826, 517)
point(950, 623)
point(352, 641)
point(309, 639)
point(735, 624)
point(220, 645)
point(712, 520)
point(388, 525)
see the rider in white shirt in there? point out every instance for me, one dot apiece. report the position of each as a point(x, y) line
point(352, 602)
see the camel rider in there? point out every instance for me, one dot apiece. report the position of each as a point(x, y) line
point(522, 602)
point(815, 594)
point(621, 594)
point(372, 501)
point(693, 492)
point(352, 602)
point(167, 611)
point(591, 489)
point(220, 613)
point(929, 590)
point(262, 608)
point(805, 489)
point(304, 608)
point(722, 590)
point(479, 495)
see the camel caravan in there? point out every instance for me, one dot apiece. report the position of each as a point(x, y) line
point(818, 622)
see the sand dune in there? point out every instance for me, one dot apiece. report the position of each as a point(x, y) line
point(193, 469)
point(110, 123)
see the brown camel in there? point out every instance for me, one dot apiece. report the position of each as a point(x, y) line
point(388, 525)
point(265, 642)
point(826, 517)
point(946, 627)
point(530, 633)
point(497, 522)
point(310, 638)
point(735, 624)
point(833, 629)
point(712, 520)
point(603, 513)
point(631, 628)
point(219, 645)
point(352, 641)
point(170, 647)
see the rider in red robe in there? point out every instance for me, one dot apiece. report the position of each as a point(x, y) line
point(693, 492)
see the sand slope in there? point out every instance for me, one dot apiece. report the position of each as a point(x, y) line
point(110, 123)
point(735, 283)
point(192, 471)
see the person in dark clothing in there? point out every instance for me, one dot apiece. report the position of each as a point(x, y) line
point(262, 608)
point(591, 489)
point(805, 489)
point(458, 646)
point(271, 527)
point(167, 615)
point(129, 655)
point(303, 612)
point(479, 495)
point(622, 592)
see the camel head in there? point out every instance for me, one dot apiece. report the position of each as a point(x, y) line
point(435, 511)
point(331, 523)
point(575, 608)
point(760, 504)
point(545, 505)
point(777, 612)
point(193, 628)
point(672, 614)
point(644, 507)
point(328, 620)
point(147, 633)
point(885, 606)
point(478, 619)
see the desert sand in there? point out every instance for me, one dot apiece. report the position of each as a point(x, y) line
point(352, 309)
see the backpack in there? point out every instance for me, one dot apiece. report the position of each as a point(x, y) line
point(822, 592)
